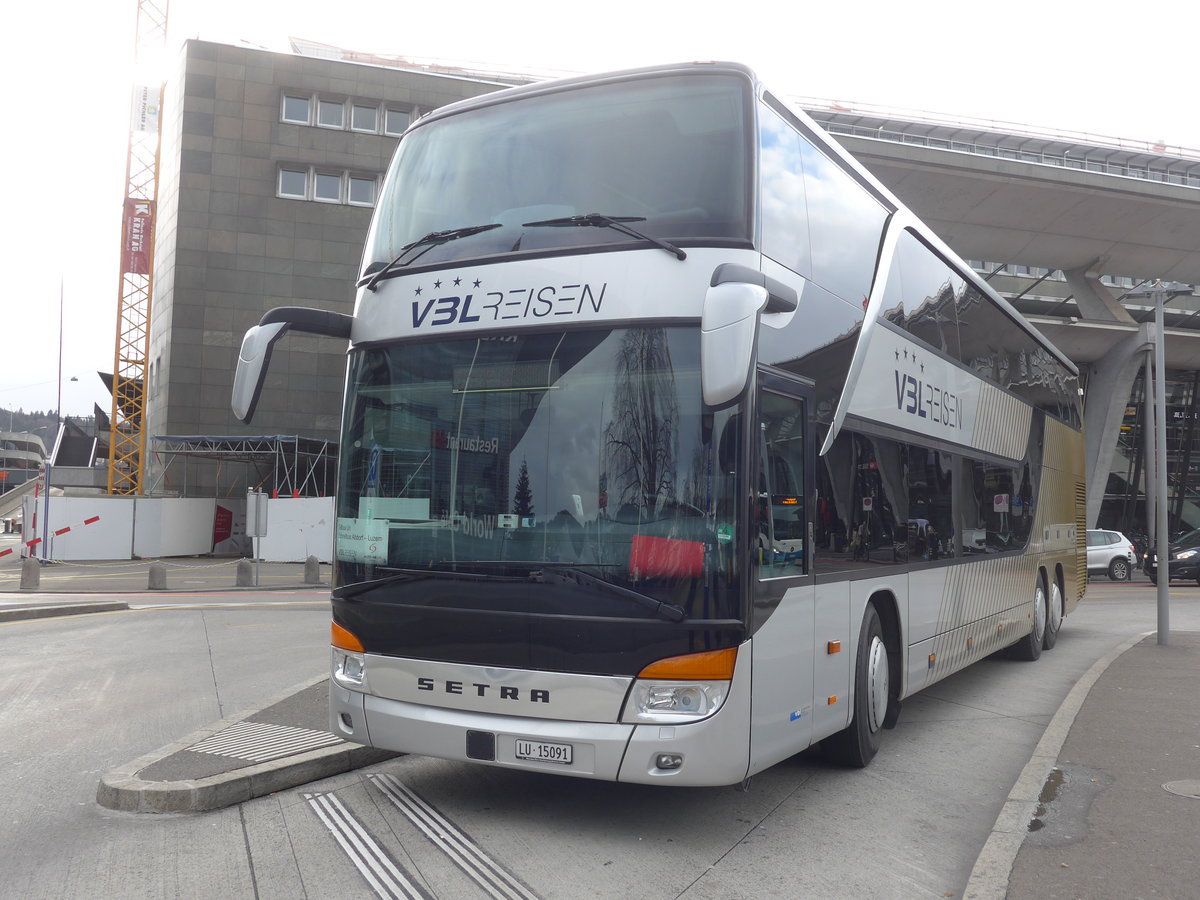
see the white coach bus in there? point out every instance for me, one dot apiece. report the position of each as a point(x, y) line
point(673, 443)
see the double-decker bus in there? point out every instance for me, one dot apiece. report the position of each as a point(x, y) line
point(673, 443)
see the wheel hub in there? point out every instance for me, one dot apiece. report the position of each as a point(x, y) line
point(1039, 612)
point(877, 684)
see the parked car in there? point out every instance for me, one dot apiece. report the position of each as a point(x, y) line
point(1112, 553)
point(1184, 558)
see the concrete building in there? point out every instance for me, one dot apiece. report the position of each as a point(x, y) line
point(270, 166)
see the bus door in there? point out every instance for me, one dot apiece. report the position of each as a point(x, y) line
point(782, 578)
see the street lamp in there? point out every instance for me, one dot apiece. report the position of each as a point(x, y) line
point(1161, 292)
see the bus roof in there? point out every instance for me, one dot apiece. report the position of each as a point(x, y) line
point(541, 88)
point(560, 84)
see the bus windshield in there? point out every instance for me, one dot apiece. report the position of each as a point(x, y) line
point(580, 456)
point(668, 154)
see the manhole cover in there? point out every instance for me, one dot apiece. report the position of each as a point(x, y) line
point(1184, 788)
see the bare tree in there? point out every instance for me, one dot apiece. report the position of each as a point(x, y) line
point(641, 440)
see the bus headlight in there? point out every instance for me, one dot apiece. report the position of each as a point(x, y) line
point(668, 702)
point(348, 668)
point(681, 689)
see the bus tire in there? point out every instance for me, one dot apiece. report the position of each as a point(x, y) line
point(856, 745)
point(1054, 616)
point(1029, 648)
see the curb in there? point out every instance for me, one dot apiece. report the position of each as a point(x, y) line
point(151, 592)
point(18, 613)
point(993, 866)
point(122, 789)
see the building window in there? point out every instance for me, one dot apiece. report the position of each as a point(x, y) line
point(363, 115)
point(293, 183)
point(396, 120)
point(331, 113)
point(296, 109)
point(364, 118)
point(327, 187)
point(362, 190)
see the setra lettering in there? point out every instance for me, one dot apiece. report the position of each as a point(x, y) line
point(482, 689)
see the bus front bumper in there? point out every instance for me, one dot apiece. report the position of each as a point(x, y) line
point(714, 751)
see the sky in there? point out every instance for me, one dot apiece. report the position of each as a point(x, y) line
point(1099, 69)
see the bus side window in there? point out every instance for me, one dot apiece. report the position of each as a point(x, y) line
point(780, 515)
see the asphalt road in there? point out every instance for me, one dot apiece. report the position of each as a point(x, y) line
point(85, 694)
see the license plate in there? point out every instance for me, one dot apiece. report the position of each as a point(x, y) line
point(541, 751)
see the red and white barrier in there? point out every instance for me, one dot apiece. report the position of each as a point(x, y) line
point(29, 545)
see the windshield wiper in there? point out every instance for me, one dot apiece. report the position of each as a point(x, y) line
point(539, 572)
point(429, 241)
point(550, 573)
point(617, 223)
point(403, 575)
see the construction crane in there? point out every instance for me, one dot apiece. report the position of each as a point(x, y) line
point(127, 436)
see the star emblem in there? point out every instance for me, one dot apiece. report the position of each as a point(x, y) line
point(475, 283)
point(418, 292)
point(457, 282)
point(437, 284)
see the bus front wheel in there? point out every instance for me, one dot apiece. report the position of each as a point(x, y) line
point(857, 745)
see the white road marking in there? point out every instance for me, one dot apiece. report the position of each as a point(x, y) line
point(497, 881)
point(386, 877)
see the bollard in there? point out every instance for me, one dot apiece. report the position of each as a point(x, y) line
point(245, 573)
point(158, 577)
point(31, 574)
point(312, 571)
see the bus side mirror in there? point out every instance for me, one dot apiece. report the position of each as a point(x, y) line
point(255, 354)
point(728, 331)
point(253, 360)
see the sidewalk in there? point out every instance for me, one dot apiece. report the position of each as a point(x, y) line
point(180, 575)
point(1109, 805)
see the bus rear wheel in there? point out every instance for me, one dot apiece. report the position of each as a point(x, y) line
point(856, 745)
point(1054, 616)
point(1029, 647)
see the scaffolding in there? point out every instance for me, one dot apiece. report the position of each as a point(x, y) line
point(282, 465)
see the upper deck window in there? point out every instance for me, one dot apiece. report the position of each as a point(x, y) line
point(816, 218)
point(670, 150)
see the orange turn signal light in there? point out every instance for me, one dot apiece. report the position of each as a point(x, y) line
point(344, 638)
point(711, 665)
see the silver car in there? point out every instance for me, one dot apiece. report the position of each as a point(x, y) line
point(1112, 553)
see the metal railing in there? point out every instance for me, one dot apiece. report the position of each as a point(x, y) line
point(1081, 152)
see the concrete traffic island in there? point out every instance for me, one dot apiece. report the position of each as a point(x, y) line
point(249, 754)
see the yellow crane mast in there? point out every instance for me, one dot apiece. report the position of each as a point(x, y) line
point(127, 440)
